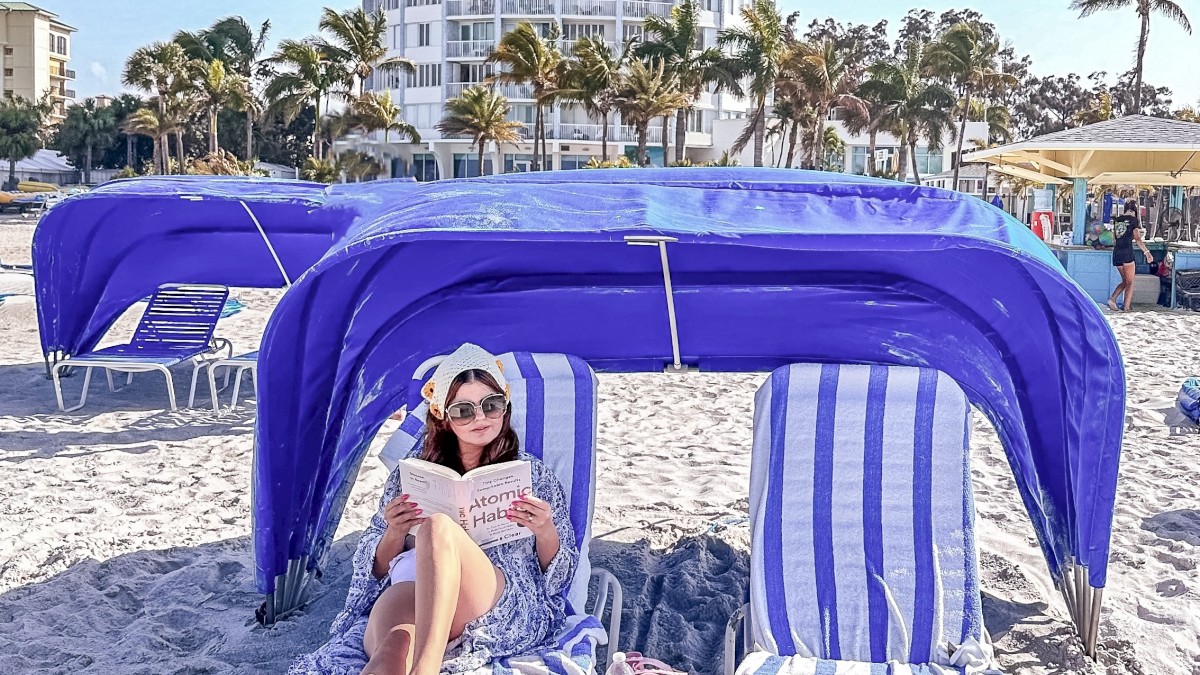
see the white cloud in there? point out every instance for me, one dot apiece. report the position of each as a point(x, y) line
point(99, 72)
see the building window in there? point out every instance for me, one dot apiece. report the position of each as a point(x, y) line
point(421, 3)
point(62, 45)
point(424, 167)
point(480, 30)
point(474, 72)
point(542, 28)
point(929, 161)
point(517, 163)
point(423, 32)
point(633, 31)
point(466, 165)
point(426, 75)
point(8, 51)
point(573, 161)
point(393, 4)
point(8, 72)
point(573, 31)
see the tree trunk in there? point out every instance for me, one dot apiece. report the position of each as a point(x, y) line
point(604, 138)
point(818, 147)
point(793, 136)
point(872, 138)
point(643, 136)
point(249, 136)
point(480, 156)
point(912, 153)
point(164, 139)
point(962, 131)
point(179, 150)
point(12, 174)
point(1141, 58)
point(129, 159)
point(666, 130)
point(537, 134)
point(212, 131)
point(760, 130)
point(902, 159)
point(681, 129)
point(156, 159)
point(986, 169)
point(317, 129)
point(87, 164)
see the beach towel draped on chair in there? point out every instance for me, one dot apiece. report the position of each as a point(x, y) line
point(863, 555)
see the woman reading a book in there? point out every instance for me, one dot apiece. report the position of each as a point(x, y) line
point(432, 600)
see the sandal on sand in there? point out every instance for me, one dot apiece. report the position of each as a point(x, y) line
point(649, 666)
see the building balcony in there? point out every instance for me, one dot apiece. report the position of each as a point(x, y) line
point(58, 71)
point(528, 7)
point(63, 93)
point(470, 7)
point(512, 92)
point(566, 46)
point(589, 7)
point(640, 10)
point(470, 49)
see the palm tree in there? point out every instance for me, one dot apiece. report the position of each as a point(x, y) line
point(161, 68)
point(377, 112)
point(359, 166)
point(914, 107)
point(122, 107)
point(645, 94)
point(86, 129)
point(21, 122)
point(359, 40)
point(526, 57)
point(828, 75)
point(482, 114)
point(154, 125)
point(233, 42)
point(758, 50)
point(966, 57)
point(1144, 9)
point(673, 40)
point(591, 79)
point(312, 77)
point(217, 89)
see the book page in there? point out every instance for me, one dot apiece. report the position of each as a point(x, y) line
point(493, 490)
point(432, 492)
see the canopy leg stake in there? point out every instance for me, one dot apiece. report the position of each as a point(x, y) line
point(676, 365)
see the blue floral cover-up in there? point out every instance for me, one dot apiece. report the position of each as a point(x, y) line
point(525, 620)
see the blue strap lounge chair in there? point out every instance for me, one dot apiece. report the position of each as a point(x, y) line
point(554, 414)
point(177, 326)
point(863, 556)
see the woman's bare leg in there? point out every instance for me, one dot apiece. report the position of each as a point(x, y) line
point(1127, 271)
point(456, 584)
point(389, 636)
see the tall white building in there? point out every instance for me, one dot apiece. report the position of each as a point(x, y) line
point(450, 40)
point(35, 49)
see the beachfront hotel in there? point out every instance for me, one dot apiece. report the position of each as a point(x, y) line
point(450, 40)
point(36, 50)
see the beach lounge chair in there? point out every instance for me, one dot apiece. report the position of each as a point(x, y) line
point(554, 397)
point(177, 326)
point(863, 556)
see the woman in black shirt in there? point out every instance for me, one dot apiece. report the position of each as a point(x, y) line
point(1126, 232)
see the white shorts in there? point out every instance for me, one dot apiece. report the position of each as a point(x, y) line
point(403, 567)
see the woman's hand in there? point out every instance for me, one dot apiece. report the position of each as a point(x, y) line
point(536, 514)
point(401, 515)
point(533, 513)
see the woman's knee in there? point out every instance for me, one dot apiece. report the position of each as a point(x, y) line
point(439, 528)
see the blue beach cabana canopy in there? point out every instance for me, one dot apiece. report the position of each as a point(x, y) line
point(768, 267)
point(98, 252)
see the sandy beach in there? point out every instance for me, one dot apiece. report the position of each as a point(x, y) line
point(125, 528)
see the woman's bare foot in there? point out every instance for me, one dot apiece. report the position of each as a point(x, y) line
point(1113, 306)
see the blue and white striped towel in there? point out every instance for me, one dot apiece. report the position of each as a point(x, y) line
point(863, 516)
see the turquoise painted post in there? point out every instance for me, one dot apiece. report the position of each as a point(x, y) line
point(1177, 197)
point(1079, 210)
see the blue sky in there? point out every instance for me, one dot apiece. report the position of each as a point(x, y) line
point(1045, 29)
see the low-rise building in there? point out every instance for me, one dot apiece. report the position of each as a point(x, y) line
point(35, 50)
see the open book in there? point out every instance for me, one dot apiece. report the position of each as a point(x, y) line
point(478, 500)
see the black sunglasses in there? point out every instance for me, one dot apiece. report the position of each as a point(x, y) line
point(492, 406)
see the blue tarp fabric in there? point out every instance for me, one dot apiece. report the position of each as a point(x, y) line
point(770, 267)
point(98, 252)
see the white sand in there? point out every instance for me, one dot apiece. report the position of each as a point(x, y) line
point(124, 528)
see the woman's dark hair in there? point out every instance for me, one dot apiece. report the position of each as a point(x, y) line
point(1130, 206)
point(441, 445)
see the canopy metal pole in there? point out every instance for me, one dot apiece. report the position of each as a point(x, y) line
point(1089, 641)
point(661, 242)
point(263, 233)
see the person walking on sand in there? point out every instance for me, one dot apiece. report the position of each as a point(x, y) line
point(1126, 232)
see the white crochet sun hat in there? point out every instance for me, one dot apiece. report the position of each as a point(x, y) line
point(466, 357)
